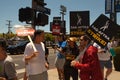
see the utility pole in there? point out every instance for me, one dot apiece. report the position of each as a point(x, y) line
point(9, 26)
point(63, 11)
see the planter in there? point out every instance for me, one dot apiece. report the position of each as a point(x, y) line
point(116, 59)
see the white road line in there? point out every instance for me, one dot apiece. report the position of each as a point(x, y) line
point(20, 70)
point(16, 65)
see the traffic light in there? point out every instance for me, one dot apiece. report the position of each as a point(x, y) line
point(41, 20)
point(29, 14)
point(26, 14)
point(22, 14)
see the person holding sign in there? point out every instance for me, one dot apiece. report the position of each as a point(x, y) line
point(36, 65)
point(89, 65)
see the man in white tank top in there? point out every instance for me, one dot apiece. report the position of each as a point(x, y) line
point(36, 65)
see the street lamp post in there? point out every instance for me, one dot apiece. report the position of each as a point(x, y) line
point(63, 11)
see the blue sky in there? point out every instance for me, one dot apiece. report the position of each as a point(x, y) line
point(9, 11)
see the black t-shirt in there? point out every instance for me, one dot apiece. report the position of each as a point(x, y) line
point(70, 54)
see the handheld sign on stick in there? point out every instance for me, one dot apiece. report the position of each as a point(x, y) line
point(25, 31)
point(100, 32)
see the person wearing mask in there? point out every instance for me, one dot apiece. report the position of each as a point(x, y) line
point(36, 65)
point(89, 65)
point(60, 58)
point(7, 67)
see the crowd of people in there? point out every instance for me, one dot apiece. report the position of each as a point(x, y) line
point(85, 61)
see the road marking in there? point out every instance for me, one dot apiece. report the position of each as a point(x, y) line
point(20, 70)
point(21, 79)
point(16, 65)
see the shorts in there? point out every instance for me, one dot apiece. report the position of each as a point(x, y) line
point(59, 62)
point(42, 76)
point(106, 64)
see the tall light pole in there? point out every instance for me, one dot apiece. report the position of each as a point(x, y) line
point(63, 11)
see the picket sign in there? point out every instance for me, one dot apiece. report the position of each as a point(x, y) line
point(25, 31)
point(35, 50)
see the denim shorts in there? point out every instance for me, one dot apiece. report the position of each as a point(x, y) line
point(106, 64)
point(59, 62)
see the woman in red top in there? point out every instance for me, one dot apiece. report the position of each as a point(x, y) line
point(89, 65)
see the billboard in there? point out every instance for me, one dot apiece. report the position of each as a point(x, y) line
point(109, 6)
point(56, 29)
point(79, 22)
point(102, 30)
point(117, 5)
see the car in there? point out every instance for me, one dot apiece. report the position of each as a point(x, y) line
point(18, 48)
point(21, 46)
point(11, 49)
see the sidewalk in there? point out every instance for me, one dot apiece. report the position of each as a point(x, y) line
point(52, 74)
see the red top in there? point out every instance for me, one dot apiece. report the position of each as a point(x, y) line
point(90, 66)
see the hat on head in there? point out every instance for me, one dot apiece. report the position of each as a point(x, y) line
point(72, 39)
